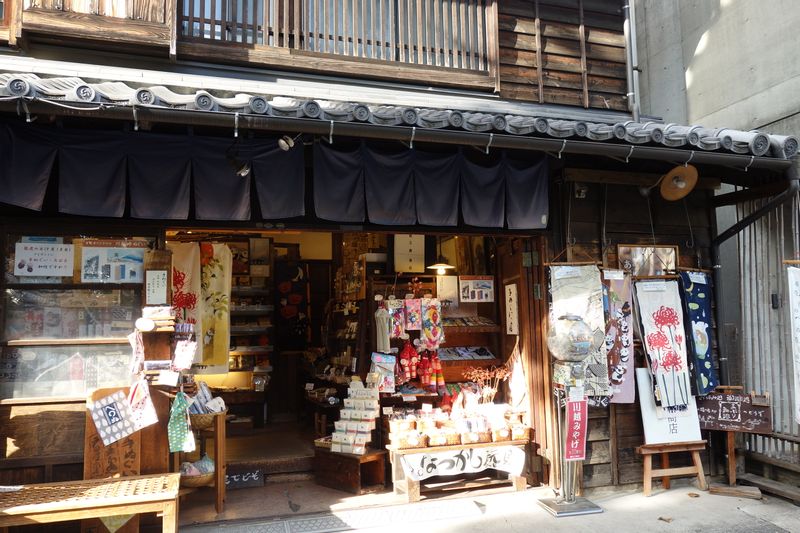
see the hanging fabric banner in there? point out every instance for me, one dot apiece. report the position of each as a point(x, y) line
point(619, 335)
point(432, 333)
point(663, 332)
point(216, 263)
point(696, 291)
point(578, 290)
point(794, 306)
point(186, 297)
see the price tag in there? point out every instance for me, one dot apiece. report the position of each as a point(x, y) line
point(388, 410)
point(427, 407)
point(168, 378)
point(614, 275)
point(409, 398)
point(576, 394)
point(309, 386)
point(563, 272)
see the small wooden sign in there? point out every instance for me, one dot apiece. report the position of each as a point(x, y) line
point(240, 478)
point(734, 412)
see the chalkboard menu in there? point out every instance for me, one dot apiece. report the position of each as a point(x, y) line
point(733, 412)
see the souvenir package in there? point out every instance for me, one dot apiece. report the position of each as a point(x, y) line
point(357, 420)
point(397, 316)
point(112, 417)
point(413, 314)
point(143, 412)
point(384, 366)
point(432, 333)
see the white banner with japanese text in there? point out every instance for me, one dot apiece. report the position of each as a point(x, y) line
point(419, 466)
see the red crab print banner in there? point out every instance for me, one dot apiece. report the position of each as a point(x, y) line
point(660, 311)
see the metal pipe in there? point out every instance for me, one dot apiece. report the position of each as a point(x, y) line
point(792, 176)
point(403, 133)
point(632, 62)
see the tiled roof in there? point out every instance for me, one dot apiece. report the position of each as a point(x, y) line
point(66, 90)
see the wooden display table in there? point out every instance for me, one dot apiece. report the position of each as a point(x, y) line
point(665, 472)
point(464, 460)
point(359, 474)
point(94, 498)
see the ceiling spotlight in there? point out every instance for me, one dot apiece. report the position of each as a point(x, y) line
point(286, 143)
point(240, 168)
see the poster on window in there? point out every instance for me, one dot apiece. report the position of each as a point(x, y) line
point(112, 260)
point(43, 259)
point(512, 310)
point(476, 288)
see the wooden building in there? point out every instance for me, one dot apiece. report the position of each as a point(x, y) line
point(527, 80)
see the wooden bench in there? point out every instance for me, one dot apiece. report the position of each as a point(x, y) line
point(95, 498)
point(665, 472)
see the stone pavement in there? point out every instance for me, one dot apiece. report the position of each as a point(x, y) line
point(681, 509)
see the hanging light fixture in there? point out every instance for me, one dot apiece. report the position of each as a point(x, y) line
point(441, 266)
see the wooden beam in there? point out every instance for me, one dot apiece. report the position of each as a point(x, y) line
point(342, 66)
point(638, 179)
point(85, 26)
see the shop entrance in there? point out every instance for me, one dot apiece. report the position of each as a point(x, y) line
point(302, 310)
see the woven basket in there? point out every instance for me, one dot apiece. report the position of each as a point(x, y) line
point(197, 481)
point(426, 424)
point(323, 442)
point(400, 425)
point(409, 439)
point(475, 437)
point(501, 435)
point(204, 420)
point(520, 432)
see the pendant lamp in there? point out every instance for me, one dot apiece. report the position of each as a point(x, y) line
point(441, 266)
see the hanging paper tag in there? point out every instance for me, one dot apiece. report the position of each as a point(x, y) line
point(614, 275)
point(563, 272)
point(652, 286)
point(309, 386)
point(388, 410)
point(698, 277)
point(409, 398)
point(576, 394)
point(168, 378)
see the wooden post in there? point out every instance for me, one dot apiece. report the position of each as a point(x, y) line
point(730, 438)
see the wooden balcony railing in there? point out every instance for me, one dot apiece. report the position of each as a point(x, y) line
point(454, 34)
point(145, 10)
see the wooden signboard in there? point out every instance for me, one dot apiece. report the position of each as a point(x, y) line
point(734, 412)
point(243, 477)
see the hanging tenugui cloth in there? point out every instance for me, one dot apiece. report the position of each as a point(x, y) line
point(696, 290)
point(432, 333)
point(577, 290)
point(186, 292)
point(383, 326)
point(291, 320)
point(794, 305)
point(663, 331)
point(397, 314)
point(216, 262)
point(619, 335)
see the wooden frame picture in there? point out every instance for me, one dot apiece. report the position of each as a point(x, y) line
point(240, 250)
point(642, 260)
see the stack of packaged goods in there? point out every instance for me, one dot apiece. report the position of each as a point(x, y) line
point(357, 418)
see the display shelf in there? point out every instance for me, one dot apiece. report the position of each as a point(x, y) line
point(66, 342)
point(262, 350)
point(471, 329)
point(251, 310)
point(250, 330)
point(251, 291)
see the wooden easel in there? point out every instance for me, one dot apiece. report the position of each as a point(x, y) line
point(665, 472)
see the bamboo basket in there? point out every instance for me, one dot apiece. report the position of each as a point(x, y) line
point(501, 435)
point(476, 437)
point(409, 439)
point(202, 480)
point(204, 420)
point(400, 425)
point(520, 432)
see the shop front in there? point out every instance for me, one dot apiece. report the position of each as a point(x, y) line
point(368, 306)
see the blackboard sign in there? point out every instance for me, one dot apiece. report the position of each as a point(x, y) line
point(733, 412)
point(240, 478)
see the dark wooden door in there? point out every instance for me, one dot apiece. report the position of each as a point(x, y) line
point(519, 263)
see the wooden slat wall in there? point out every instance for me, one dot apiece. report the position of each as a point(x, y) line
point(144, 10)
point(614, 432)
point(548, 56)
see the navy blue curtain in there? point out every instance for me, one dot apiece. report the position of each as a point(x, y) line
point(389, 184)
point(436, 188)
point(26, 161)
point(159, 175)
point(280, 181)
point(526, 193)
point(339, 183)
point(483, 194)
point(219, 193)
point(92, 178)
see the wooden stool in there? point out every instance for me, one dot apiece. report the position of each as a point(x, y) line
point(665, 472)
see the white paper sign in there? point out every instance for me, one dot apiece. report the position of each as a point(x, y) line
point(419, 466)
point(43, 259)
point(512, 310)
point(652, 286)
point(685, 428)
point(698, 277)
point(155, 286)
